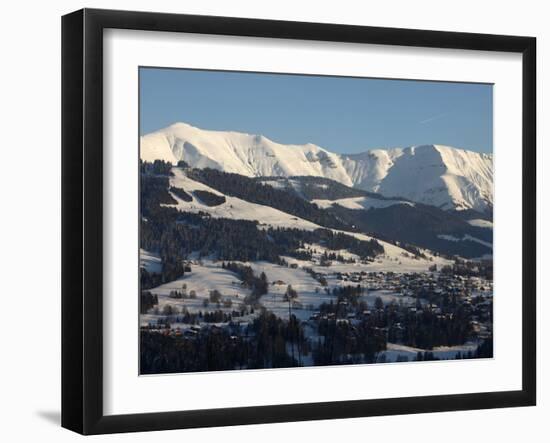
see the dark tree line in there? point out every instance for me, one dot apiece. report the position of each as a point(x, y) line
point(236, 240)
point(257, 285)
point(154, 192)
point(263, 344)
point(209, 198)
point(419, 326)
point(251, 190)
point(296, 238)
point(214, 351)
point(343, 343)
point(170, 315)
point(328, 257)
point(175, 234)
point(158, 167)
point(147, 301)
point(149, 280)
point(180, 193)
point(482, 268)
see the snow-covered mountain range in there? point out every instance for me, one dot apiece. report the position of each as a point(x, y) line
point(442, 176)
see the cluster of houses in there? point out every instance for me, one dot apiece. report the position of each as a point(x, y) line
point(186, 331)
point(410, 283)
point(423, 292)
point(473, 294)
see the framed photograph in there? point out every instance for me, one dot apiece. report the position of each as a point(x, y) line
point(269, 221)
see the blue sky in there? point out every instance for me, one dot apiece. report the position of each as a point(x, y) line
point(345, 115)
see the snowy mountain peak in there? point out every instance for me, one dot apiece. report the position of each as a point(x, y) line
point(439, 175)
point(434, 174)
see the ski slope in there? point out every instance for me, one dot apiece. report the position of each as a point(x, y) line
point(150, 261)
point(395, 351)
point(234, 207)
point(361, 203)
point(480, 223)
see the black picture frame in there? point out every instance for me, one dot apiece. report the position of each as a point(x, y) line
point(82, 215)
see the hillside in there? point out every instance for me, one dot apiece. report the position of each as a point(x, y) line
point(351, 209)
point(270, 219)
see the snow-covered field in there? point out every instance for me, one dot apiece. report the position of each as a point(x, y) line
point(209, 275)
point(361, 203)
point(480, 223)
point(310, 293)
point(395, 352)
point(206, 277)
point(391, 261)
point(150, 261)
point(466, 237)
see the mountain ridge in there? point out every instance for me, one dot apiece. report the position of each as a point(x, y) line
point(438, 175)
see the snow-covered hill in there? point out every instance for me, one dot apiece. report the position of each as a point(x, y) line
point(442, 176)
point(394, 257)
